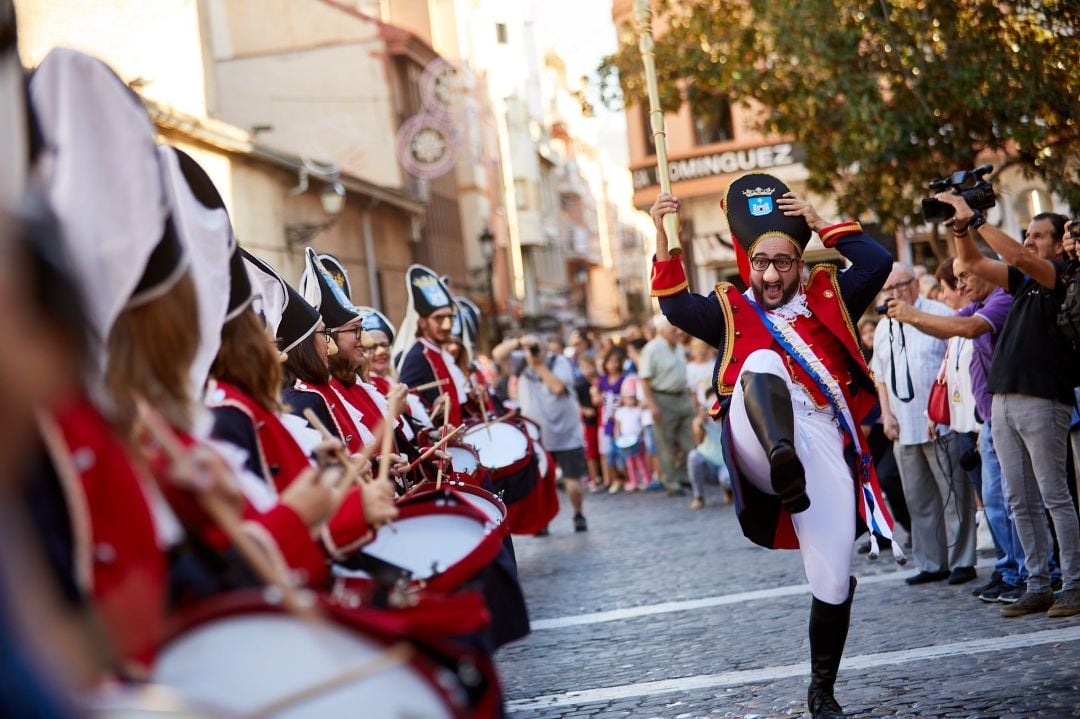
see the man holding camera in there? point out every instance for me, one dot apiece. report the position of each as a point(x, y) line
point(981, 322)
point(939, 498)
point(546, 395)
point(1032, 376)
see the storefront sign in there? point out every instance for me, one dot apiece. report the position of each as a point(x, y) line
point(723, 163)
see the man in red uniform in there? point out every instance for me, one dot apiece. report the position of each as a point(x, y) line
point(428, 325)
point(793, 388)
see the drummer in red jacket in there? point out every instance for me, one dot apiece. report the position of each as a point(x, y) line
point(418, 349)
point(791, 377)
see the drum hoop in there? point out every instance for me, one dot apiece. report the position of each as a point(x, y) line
point(514, 466)
point(362, 621)
point(428, 503)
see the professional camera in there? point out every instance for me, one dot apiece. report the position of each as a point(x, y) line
point(883, 308)
point(969, 184)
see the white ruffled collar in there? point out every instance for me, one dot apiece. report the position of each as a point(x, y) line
point(795, 308)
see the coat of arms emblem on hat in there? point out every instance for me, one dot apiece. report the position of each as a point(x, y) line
point(433, 292)
point(759, 200)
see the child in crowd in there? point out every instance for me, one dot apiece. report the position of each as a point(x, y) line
point(584, 385)
point(608, 389)
point(629, 436)
point(633, 351)
point(705, 463)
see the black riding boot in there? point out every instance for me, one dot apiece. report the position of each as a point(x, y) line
point(768, 407)
point(828, 634)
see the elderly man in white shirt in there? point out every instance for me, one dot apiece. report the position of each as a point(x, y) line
point(939, 497)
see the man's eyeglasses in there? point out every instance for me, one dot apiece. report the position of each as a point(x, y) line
point(898, 285)
point(782, 263)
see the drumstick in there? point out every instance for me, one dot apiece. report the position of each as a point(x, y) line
point(388, 436)
point(433, 448)
point(445, 424)
point(391, 657)
point(225, 517)
point(429, 385)
point(493, 420)
point(352, 469)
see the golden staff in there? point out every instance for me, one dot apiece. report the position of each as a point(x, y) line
point(656, 119)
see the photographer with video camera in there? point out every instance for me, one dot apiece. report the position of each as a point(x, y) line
point(1031, 380)
point(939, 498)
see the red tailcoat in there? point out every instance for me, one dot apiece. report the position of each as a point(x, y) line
point(118, 558)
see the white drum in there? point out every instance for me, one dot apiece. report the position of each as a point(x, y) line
point(501, 446)
point(244, 664)
point(463, 460)
point(440, 541)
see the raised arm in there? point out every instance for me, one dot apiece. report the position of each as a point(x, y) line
point(870, 263)
point(940, 326)
point(1011, 252)
point(694, 314)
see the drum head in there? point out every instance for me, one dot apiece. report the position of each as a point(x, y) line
point(241, 664)
point(483, 500)
point(428, 544)
point(463, 459)
point(498, 444)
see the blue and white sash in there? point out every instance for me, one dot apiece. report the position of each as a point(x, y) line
point(800, 351)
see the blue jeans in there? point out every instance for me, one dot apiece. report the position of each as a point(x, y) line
point(1010, 565)
point(700, 470)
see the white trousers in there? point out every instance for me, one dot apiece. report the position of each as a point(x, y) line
point(826, 530)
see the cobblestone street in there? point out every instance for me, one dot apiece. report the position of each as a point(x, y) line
point(659, 611)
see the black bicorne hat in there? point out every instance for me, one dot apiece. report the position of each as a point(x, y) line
point(429, 293)
point(204, 190)
point(166, 265)
point(323, 293)
point(752, 213)
point(470, 317)
point(295, 319)
point(336, 269)
point(375, 321)
point(298, 321)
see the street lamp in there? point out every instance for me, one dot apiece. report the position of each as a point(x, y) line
point(332, 199)
point(487, 249)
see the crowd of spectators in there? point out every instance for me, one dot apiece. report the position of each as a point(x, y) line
point(644, 395)
point(1008, 441)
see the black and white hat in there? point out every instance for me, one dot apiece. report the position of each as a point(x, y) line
point(753, 213)
point(102, 176)
point(375, 321)
point(470, 317)
point(288, 314)
point(203, 188)
point(324, 294)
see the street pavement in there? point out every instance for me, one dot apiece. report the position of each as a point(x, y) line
point(660, 611)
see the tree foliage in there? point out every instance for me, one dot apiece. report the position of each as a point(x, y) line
point(884, 95)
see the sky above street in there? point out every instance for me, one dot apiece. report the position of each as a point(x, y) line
point(582, 33)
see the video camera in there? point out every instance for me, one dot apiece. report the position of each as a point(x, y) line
point(969, 184)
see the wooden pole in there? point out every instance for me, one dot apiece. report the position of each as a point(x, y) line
point(656, 118)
